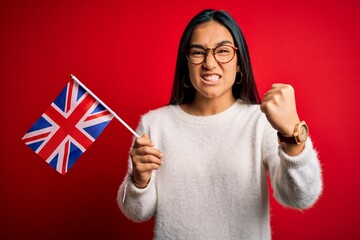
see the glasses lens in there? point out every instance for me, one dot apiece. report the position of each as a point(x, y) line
point(196, 55)
point(224, 54)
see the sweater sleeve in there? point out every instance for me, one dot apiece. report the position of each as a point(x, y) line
point(137, 204)
point(296, 180)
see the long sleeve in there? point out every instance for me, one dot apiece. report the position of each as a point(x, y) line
point(213, 184)
point(296, 180)
point(137, 204)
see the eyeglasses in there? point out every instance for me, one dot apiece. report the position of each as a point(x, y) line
point(222, 54)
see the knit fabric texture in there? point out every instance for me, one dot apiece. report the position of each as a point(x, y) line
point(214, 181)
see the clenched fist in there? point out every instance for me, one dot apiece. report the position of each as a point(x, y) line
point(279, 107)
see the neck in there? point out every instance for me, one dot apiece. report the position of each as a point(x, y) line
point(207, 107)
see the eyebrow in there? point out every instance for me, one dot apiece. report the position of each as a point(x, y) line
point(218, 44)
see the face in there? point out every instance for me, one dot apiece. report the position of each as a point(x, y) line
point(211, 79)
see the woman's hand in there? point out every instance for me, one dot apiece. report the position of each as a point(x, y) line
point(280, 108)
point(145, 158)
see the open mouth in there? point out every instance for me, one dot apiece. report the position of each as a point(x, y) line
point(211, 78)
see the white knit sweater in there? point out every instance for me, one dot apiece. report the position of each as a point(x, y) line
point(213, 184)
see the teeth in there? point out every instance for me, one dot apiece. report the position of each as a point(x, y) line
point(211, 77)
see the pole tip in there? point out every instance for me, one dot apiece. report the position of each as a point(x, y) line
point(71, 75)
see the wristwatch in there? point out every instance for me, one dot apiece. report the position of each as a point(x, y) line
point(301, 133)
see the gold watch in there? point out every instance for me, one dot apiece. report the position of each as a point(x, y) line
point(301, 133)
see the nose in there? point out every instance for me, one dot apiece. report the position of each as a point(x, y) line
point(210, 61)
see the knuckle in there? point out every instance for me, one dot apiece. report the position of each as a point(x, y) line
point(155, 166)
point(148, 158)
point(137, 142)
point(278, 98)
point(263, 106)
point(133, 152)
point(291, 89)
point(283, 90)
point(288, 88)
point(134, 158)
point(148, 167)
point(147, 149)
point(141, 169)
point(137, 166)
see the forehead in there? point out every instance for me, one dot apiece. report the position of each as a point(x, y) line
point(210, 33)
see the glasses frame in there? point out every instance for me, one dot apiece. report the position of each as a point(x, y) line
point(212, 52)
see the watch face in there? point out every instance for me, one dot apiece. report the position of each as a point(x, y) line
point(303, 134)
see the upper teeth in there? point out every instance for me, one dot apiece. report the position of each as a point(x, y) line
point(211, 77)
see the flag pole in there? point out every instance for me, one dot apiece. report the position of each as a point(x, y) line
point(102, 103)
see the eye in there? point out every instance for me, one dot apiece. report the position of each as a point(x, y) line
point(197, 52)
point(223, 50)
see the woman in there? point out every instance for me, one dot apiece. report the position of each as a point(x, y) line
point(201, 166)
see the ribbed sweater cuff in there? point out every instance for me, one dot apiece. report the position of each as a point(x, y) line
point(133, 190)
point(300, 160)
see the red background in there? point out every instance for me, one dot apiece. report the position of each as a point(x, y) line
point(125, 52)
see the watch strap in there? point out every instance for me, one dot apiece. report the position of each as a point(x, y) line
point(284, 139)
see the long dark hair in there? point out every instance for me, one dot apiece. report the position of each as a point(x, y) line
point(246, 90)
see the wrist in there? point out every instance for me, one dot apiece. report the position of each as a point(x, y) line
point(290, 128)
point(137, 184)
point(298, 137)
point(293, 149)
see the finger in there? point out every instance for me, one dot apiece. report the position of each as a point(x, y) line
point(265, 107)
point(270, 94)
point(283, 89)
point(144, 140)
point(275, 88)
point(277, 85)
point(142, 163)
point(150, 159)
point(267, 97)
point(146, 150)
point(145, 135)
point(272, 90)
point(147, 167)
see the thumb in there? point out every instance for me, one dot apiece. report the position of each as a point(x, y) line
point(144, 140)
point(145, 135)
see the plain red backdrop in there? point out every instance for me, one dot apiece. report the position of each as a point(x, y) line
point(125, 52)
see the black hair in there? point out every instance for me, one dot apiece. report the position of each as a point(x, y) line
point(246, 90)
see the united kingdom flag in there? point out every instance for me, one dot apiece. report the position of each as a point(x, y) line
point(68, 127)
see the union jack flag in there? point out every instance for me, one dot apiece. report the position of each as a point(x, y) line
point(68, 127)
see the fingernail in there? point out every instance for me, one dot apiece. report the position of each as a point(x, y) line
point(161, 155)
